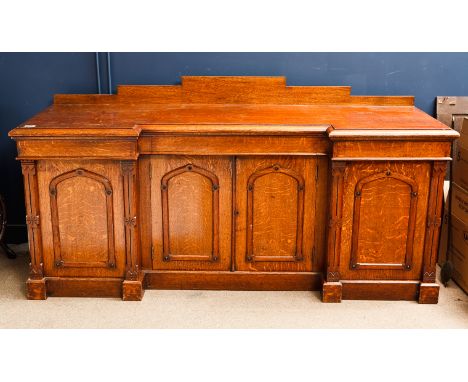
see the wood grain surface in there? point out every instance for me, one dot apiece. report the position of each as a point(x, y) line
point(382, 239)
point(274, 217)
point(390, 199)
point(270, 193)
point(87, 223)
point(191, 221)
point(93, 204)
point(231, 100)
point(234, 183)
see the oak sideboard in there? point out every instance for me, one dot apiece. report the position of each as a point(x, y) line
point(239, 183)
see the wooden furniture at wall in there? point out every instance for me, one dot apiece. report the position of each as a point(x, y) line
point(238, 183)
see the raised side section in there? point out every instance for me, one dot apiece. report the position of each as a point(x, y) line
point(384, 228)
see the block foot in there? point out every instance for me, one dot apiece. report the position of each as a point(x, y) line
point(429, 293)
point(132, 290)
point(331, 292)
point(36, 289)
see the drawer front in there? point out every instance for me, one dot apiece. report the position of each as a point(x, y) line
point(233, 145)
point(191, 212)
point(275, 209)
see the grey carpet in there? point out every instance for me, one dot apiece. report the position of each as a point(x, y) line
point(217, 309)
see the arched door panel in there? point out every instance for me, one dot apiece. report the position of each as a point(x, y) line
point(80, 199)
point(275, 199)
point(191, 212)
point(82, 219)
point(384, 220)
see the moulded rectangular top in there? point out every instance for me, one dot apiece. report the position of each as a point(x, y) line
point(220, 101)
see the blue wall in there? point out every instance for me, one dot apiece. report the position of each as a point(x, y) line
point(29, 80)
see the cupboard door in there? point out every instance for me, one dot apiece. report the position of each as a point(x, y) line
point(384, 214)
point(82, 218)
point(275, 209)
point(191, 210)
